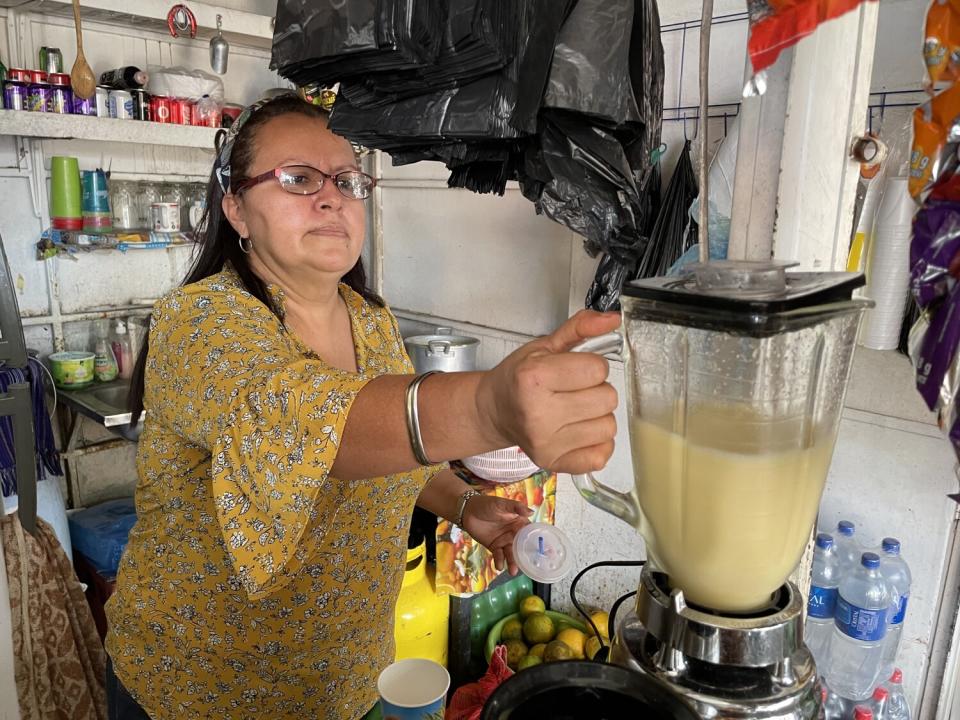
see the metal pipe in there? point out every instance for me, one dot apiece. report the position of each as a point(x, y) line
point(704, 214)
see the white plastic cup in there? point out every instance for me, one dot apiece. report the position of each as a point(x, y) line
point(413, 689)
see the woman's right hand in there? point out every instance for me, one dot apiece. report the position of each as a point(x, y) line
point(556, 405)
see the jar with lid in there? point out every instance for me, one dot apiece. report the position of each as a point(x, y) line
point(16, 88)
point(38, 92)
point(61, 94)
point(123, 201)
point(148, 194)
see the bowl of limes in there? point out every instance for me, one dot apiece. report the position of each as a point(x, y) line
point(536, 635)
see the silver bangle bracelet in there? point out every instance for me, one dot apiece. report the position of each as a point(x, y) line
point(413, 419)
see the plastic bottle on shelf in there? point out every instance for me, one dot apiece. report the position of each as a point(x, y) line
point(862, 712)
point(897, 706)
point(121, 348)
point(897, 574)
point(208, 112)
point(878, 703)
point(104, 362)
point(125, 78)
point(822, 601)
point(848, 549)
point(853, 666)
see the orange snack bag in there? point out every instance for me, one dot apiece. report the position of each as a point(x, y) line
point(941, 41)
point(933, 158)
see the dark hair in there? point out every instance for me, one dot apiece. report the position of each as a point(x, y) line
point(218, 242)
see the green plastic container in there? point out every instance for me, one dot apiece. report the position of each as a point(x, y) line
point(72, 370)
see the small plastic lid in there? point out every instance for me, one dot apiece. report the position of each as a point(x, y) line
point(897, 676)
point(880, 693)
point(824, 541)
point(845, 527)
point(891, 545)
point(861, 712)
point(543, 553)
point(870, 560)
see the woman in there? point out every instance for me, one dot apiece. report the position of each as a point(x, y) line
point(286, 443)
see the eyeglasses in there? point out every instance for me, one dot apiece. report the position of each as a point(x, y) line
point(306, 180)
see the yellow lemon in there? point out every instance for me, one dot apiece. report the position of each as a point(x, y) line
point(573, 639)
point(557, 650)
point(538, 628)
point(530, 606)
point(516, 651)
point(528, 660)
point(591, 647)
point(512, 630)
point(537, 650)
point(602, 621)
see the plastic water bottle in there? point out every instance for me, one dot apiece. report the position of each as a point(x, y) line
point(822, 601)
point(848, 549)
point(835, 707)
point(897, 706)
point(862, 712)
point(860, 626)
point(897, 574)
point(879, 702)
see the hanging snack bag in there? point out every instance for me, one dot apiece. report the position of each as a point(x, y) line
point(936, 137)
point(941, 41)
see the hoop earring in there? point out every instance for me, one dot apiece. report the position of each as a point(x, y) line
point(248, 247)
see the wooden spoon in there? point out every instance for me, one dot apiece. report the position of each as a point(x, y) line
point(82, 79)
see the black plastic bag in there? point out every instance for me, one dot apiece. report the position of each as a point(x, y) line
point(667, 238)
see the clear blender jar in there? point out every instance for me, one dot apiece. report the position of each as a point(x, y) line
point(735, 375)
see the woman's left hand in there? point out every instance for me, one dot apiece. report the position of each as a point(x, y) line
point(494, 522)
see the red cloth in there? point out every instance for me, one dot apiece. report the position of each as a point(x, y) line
point(467, 702)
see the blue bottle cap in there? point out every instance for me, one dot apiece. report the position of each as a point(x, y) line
point(891, 545)
point(845, 527)
point(870, 560)
point(824, 541)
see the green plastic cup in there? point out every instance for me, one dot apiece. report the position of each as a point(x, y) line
point(66, 208)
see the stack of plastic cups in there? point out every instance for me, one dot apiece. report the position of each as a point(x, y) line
point(96, 202)
point(66, 210)
point(888, 267)
point(863, 236)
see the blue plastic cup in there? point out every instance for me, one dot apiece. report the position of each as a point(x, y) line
point(413, 689)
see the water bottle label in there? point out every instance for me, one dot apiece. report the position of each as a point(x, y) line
point(901, 611)
point(860, 623)
point(822, 602)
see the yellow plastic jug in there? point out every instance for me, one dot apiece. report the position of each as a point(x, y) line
point(422, 617)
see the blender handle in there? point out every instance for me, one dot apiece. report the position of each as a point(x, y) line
point(619, 504)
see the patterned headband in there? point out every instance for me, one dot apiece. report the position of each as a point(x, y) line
point(221, 166)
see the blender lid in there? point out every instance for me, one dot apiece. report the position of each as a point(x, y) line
point(754, 287)
point(543, 553)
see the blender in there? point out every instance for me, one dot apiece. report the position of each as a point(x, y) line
point(735, 375)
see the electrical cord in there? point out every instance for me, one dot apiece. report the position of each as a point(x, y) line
point(579, 607)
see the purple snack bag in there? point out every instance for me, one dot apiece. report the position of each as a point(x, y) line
point(935, 242)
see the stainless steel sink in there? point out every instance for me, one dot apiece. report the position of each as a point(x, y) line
point(106, 404)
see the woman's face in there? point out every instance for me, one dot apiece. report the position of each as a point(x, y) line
point(290, 234)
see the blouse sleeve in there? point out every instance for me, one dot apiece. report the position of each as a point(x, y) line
point(222, 375)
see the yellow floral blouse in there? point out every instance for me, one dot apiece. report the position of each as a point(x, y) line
point(254, 584)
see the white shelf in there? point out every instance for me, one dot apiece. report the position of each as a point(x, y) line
point(240, 27)
point(85, 127)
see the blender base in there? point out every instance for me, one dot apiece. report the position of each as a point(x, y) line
point(723, 667)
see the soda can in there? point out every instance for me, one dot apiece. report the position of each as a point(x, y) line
point(121, 104)
point(84, 106)
point(61, 100)
point(51, 60)
point(160, 109)
point(103, 102)
point(38, 97)
point(185, 111)
point(15, 95)
point(18, 75)
point(141, 105)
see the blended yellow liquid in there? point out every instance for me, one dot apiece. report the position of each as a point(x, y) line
point(726, 518)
